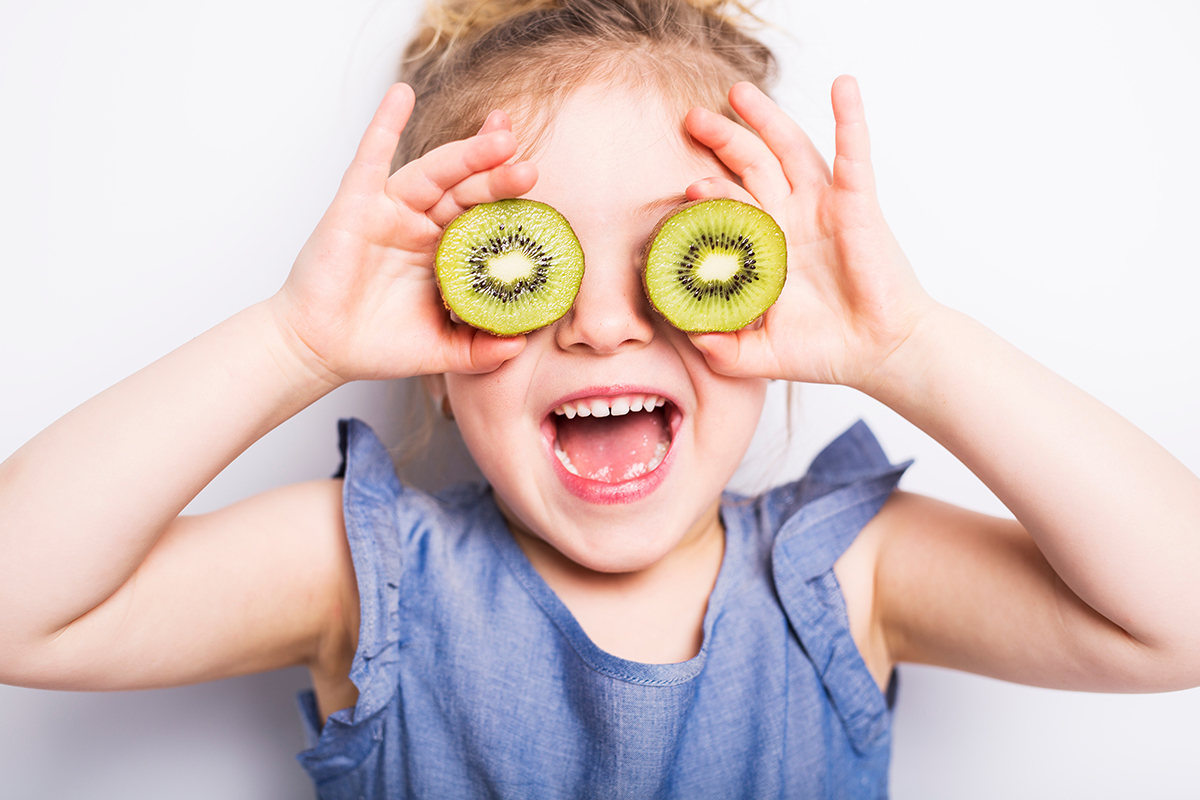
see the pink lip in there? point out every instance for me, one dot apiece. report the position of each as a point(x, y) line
point(599, 492)
point(611, 493)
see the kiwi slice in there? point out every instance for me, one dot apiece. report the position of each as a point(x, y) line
point(509, 267)
point(715, 265)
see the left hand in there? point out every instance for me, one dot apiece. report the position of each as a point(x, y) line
point(851, 297)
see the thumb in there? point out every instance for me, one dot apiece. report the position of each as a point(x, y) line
point(738, 354)
point(474, 351)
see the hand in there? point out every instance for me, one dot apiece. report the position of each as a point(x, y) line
point(362, 300)
point(851, 297)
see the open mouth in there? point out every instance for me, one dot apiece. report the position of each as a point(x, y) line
point(613, 439)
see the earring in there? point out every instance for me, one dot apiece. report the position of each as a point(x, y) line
point(447, 411)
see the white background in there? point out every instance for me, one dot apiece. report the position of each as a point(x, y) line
point(161, 164)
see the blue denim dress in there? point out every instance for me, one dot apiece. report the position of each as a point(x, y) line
point(475, 681)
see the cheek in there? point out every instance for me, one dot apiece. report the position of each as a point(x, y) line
point(475, 413)
point(729, 414)
point(729, 407)
point(489, 411)
point(739, 410)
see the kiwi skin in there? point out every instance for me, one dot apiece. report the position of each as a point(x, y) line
point(509, 308)
point(697, 306)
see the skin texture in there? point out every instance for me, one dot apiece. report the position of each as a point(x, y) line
point(1092, 588)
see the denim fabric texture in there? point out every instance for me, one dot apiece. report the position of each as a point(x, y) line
point(475, 681)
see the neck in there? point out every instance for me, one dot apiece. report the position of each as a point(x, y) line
point(653, 615)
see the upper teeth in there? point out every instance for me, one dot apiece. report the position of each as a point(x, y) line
point(603, 406)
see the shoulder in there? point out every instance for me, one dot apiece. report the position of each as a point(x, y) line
point(811, 521)
point(373, 487)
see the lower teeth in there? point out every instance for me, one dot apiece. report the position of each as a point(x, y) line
point(565, 459)
point(632, 471)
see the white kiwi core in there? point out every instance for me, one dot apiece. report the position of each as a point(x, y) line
point(510, 266)
point(718, 267)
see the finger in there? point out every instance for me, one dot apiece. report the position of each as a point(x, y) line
point(472, 351)
point(506, 180)
point(802, 164)
point(373, 159)
point(745, 154)
point(715, 187)
point(852, 168)
point(496, 121)
point(420, 184)
point(738, 354)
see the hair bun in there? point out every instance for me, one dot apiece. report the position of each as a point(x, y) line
point(447, 22)
point(451, 21)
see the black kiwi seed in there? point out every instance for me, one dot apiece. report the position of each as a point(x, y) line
point(716, 265)
point(509, 267)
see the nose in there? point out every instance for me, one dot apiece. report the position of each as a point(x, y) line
point(611, 311)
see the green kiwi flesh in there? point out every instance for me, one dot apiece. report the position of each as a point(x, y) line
point(509, 267)
point(715, 265)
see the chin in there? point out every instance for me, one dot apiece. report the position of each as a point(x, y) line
point(620, 551)
point(611, 543)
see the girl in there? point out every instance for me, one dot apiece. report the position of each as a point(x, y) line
point(919, 582)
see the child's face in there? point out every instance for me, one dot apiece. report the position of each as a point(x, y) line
point(614, 164)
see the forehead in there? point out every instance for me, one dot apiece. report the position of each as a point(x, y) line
point(615, 145)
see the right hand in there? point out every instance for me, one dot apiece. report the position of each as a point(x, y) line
point(362, 300)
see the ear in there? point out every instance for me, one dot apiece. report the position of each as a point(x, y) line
point(435, 385)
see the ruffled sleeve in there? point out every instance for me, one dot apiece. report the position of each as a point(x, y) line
point(373, 504)
point(820, 517)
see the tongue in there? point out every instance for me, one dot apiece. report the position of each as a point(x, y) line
point(612, 449)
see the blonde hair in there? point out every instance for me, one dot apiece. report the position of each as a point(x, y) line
point(472, 56)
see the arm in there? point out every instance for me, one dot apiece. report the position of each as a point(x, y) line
point(1092, 588)
point(98, 571)
point(1115, 518)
